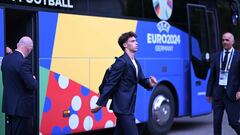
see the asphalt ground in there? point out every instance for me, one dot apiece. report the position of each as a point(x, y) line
point(201, 125)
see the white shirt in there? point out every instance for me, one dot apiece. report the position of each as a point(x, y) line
point(135, 65)
point(230, 51)
point(20, 52)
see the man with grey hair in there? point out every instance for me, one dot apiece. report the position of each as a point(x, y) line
point(224, 85)
point(18, 86)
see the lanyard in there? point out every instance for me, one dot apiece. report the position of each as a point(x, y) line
point(228, 64)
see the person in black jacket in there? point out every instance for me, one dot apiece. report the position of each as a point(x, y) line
point(223, 88)
point(18, 86)
point(124, 76)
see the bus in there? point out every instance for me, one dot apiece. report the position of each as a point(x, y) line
point(75, 41)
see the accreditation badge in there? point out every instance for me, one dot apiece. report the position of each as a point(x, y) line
point(223, 78)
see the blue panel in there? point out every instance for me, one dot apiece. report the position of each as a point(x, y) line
point(199, 103)
point(176, 74)
point(164, 53)
point(47, 30)
point(141, 109)
point(196, 49)
point(164, 41)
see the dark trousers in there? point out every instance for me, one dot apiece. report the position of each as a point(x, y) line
point(125, 125)
point(16, 125)
point(233, 112)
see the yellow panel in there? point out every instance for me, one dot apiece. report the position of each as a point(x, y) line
point(90, 38)
point(75, 69)
point(84, 36)
point(97, 70)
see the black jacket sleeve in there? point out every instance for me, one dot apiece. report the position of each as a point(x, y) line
point(117, 69)
point(143, 81)
point(27, 76)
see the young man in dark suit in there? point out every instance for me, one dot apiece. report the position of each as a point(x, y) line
point(18, 87)
point(125, 74)
point(224, 85)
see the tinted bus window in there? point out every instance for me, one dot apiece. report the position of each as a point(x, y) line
point(149, 10)
point(213, 32)
point(199, 40)
point(116, 7)
point(80, 5)
point(107, 7)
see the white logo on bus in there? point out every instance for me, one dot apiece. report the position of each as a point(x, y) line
point(52, 3)
point(163, 41)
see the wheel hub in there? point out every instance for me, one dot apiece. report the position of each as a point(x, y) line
point(161, 110)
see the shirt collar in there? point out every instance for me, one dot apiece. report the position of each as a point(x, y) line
point(21, 52)
point(230, 50)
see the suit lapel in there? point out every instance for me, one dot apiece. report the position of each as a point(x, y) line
point(128, 60)
point(232, 63)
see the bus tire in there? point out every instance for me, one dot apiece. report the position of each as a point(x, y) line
point(161, 111)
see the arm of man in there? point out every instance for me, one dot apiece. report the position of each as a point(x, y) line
point(153, 81)
point(147, 83)
point(27, 76)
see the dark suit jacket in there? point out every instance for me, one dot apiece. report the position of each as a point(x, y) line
point(233, 85)
point(18, 85)
point(123, 85)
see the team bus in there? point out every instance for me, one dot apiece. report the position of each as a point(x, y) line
point(75, 41)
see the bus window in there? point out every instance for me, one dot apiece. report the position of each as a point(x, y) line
point(112, 7)
point(199, 40)
point(116, 7)
point(80, 5)
point(213, 32)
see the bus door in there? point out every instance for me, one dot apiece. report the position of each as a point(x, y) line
point(202, 41)
point(19, 23)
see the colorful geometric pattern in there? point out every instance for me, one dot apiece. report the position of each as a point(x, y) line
point(65, 94)
point(72, 65)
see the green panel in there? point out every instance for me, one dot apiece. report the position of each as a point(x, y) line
point(44, 73)
point(2, 115)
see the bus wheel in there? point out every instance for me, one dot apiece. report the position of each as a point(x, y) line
point(161, 110)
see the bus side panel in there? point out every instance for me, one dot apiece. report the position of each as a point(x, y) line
point(164, 53)
point(175, 77)
point(2, 116)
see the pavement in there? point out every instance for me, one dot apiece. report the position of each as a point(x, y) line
point(201, 125)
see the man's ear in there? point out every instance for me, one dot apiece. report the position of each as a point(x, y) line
point(125, 45)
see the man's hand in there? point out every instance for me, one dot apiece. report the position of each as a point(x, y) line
point(96, 109)
point(153, 81)
point(209, 99)
point(238, 95)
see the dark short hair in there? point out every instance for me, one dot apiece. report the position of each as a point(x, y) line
point(124, 37)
